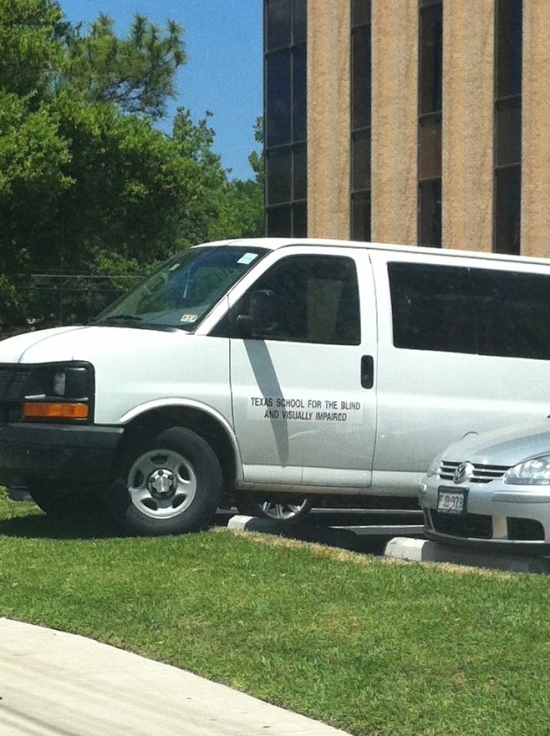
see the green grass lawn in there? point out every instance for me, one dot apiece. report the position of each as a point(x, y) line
point(377, 648)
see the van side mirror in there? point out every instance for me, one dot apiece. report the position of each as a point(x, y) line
point(260, 319)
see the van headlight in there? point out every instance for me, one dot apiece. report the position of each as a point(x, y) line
point(60, 392)
point(535, 472)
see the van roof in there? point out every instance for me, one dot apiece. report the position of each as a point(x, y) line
point(276, 243)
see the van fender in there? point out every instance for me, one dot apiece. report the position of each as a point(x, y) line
point(170, 403)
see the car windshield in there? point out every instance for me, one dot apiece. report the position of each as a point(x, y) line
point(183, 290)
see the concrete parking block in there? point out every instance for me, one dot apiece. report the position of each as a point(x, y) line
point(253, 524)
point(423, 550)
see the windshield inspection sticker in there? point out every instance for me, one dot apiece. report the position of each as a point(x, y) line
point(284, 409)
point(188, 318)
point(247, 258)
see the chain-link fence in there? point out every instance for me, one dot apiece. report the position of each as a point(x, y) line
point(52, 299)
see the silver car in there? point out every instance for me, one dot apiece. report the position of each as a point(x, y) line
point(492, 489)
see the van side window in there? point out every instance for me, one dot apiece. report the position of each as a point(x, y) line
point(470, 310)
point(316, 300)
point(431, 307)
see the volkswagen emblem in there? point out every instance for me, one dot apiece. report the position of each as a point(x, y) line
point(463, 472)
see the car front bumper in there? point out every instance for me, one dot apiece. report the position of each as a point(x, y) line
point(496, 515)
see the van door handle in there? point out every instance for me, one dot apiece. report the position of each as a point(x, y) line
point(367, 371)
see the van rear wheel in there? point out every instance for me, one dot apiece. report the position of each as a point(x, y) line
point(168, 484)
point(287, 511)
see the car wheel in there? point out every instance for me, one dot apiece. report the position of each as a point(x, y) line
point(62, 503)
point(289, 512)
point(169, 484)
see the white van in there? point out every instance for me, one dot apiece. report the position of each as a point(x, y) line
point(273, 366)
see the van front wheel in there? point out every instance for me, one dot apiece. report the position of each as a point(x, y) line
point(170, 484)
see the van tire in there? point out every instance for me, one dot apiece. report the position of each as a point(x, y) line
point(284, 511)
point(168, 484)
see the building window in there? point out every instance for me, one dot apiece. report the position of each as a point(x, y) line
point(430, 103)
point(507, 126)
point(361, 119)
point(285, 117)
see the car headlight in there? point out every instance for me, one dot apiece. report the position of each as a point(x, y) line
point(535, 472)
point(60, 391)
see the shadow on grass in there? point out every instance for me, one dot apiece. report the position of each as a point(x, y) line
point(45, 527)
point(39, 525)
point(340, 538)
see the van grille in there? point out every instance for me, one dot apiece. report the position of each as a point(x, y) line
point(480, 474)
point(13, 381)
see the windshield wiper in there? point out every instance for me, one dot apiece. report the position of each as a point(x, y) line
point(126, 320)
point(130, 320)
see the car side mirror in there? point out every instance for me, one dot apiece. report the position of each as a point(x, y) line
point(260, 319)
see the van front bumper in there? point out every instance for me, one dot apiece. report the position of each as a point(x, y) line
point(78, 455)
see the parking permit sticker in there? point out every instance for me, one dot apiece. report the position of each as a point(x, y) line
point(188, 318)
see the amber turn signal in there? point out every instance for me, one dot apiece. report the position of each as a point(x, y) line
point(49, 410)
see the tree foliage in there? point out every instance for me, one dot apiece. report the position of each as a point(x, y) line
point(135, 73)
point(88, 183)
point(32, 49)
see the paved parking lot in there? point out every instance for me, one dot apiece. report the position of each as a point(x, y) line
point(393, 533)
point(366, 531)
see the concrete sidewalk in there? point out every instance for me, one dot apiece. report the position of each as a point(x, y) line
point(58, 684)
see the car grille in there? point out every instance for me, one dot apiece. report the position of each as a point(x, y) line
point(525, 530)
point(480, 474)
point(477, 526)
point(13, 380)
point(480, 526)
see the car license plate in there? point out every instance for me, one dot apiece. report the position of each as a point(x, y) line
point(451, 501)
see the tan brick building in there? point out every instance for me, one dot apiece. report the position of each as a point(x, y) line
point(409, 121)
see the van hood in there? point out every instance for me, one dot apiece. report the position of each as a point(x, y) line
point(81, 343)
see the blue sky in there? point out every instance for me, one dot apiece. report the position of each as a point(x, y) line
point(224, 72)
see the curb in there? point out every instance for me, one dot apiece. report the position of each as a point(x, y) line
point(243, 523)
point(410, 549)
point(423, 550)
point(365, 540)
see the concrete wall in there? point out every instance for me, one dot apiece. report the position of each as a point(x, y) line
point(535, 164)
point(328, 118)
point(394, 120)
point(468, 112)
point(468, 122)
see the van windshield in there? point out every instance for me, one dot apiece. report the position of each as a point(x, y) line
point(181, 292)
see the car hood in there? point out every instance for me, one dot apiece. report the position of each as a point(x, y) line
point(507, 446)
point(82, 343)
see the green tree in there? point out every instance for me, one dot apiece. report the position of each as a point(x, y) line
point(135, 73)
point(32, 153)
point(83, 171)
point(256, 159)
point(88, 184)
point(242, 202)
point(31, 33)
